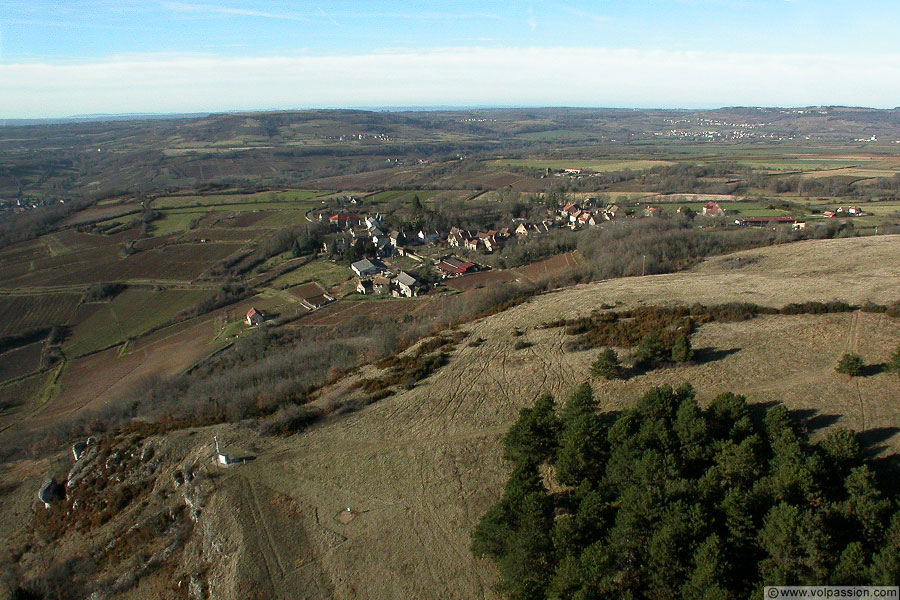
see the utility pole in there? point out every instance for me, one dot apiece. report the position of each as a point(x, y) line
point(643, 264)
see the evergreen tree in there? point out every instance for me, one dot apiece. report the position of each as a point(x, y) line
point(681, 349)
point(534, 434)
point(607, 365)
point(851, 568)
point(707, 581)
point(651, 351)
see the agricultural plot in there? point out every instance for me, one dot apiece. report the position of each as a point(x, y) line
point(128, 315)
point(102, 213)
point(175, 263)
point(597, 166)
point(19, 314)
point(551, 267)
point(222, 200)
point(21, 361)
point(480, 280)
point(19, 398)
point(325, 272)
point(401, 196)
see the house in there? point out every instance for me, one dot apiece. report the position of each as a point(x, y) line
point(573, 171)
point(365, 267)
point(383, 246)
point(397, 238)
point(522, 230)
point(407, 285)
point(489, 239)
point(344, 220)
point(360, 234)
point(712, 209)
point(338, 244)
point(473, 244)
point(451, 266)
point(254, 317)
point(364, 286)
point(570, 211)
point(830, 214)
point(799, 226)
point(428, 236)
point(587, 218)
point(458, 237)
point(651, 211)
point(374, 222)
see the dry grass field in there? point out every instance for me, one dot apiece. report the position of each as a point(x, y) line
point(419, 468)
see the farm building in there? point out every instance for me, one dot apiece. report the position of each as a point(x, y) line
point(451, 266)
point(366, 267)
point(254, 317)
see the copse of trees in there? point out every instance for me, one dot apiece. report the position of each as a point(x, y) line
point(671, 500)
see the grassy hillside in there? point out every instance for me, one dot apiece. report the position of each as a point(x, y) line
point(418, 468)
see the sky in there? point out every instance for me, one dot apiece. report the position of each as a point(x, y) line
point(86, 57)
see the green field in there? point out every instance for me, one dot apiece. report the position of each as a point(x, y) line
point(128, 315)
point(326, 273)
point(231, 200)
point(174, 222)
point(391, 196)
point(599, 166)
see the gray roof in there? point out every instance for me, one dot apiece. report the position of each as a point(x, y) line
point(406, 279)
point(363, 265)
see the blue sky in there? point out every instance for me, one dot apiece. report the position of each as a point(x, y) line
point(124, 56)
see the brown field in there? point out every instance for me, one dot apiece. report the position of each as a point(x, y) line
point(420, 467)
point(101, 213)
point(551, 267)
point(19, 314)
point(21, 361)
point(338, 312)
point(20, 398)
point(479, 280)
point(176, 263)
point(23, 252)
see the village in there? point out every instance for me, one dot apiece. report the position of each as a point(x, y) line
point(386, 259)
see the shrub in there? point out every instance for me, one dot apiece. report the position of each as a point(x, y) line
point(850, 364)
point(893, 365)
point(607, 365)
point(102, 291)
point(288, 420)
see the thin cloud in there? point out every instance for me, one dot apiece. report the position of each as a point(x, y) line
point(463, 76)
point(182, 7)
point(322, 12)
